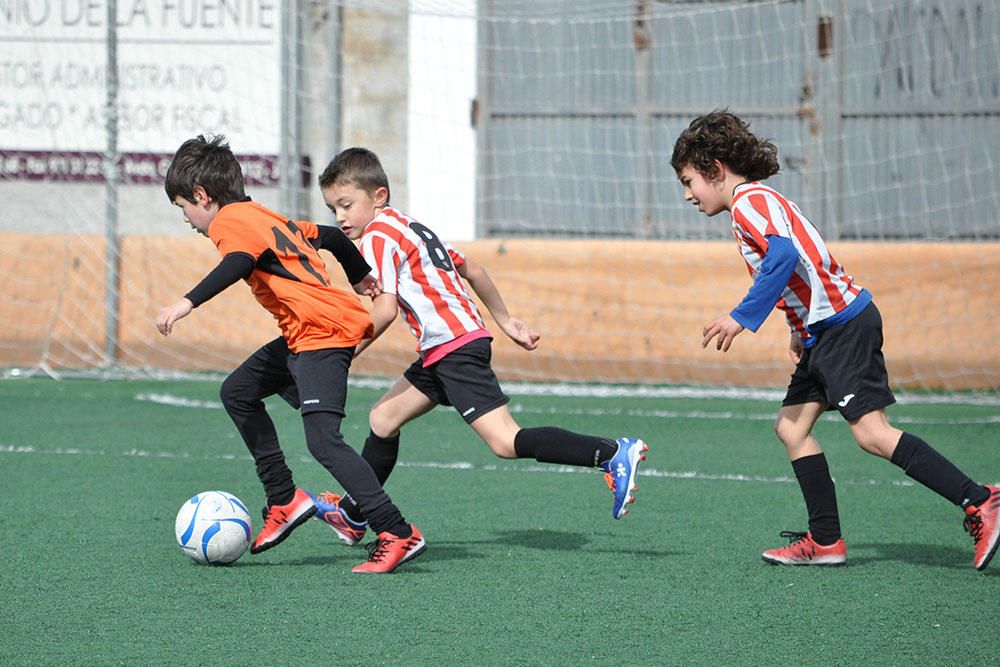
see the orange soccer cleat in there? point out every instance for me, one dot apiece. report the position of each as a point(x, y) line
point(281, 520)
point(804, 551)
point(982, 522)
point(389, 552)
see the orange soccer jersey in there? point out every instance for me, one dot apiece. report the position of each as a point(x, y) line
point(289, 278)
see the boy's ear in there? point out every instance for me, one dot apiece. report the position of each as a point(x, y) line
point(720, 170)
point(381, 196)
point(200, 195)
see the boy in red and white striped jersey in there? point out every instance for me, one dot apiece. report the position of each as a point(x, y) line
point(423, 276)
point(836, 338)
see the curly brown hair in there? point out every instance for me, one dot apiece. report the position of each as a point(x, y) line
point(725, 137)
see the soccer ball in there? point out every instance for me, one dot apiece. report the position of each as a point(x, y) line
point(213, 528)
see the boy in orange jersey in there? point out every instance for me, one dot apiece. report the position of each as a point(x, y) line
point(835, 344)
point(308, 364)
point(423, 277)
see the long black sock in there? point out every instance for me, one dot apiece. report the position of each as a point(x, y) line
point(548, 444)
point(923, 463)
point(381, 454)
point(820, 495)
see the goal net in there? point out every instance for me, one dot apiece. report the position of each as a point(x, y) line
point(535, 137)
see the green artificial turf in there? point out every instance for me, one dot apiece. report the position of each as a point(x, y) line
point(524, 566)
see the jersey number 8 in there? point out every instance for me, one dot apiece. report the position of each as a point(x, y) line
point(439, 255)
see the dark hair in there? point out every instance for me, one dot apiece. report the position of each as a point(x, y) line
point(207, 162)
point(356, 166)
point(725, 137)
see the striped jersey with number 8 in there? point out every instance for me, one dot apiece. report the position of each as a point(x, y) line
point(421, 271)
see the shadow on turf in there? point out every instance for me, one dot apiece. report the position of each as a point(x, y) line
point(546, 540)
point(952, 558)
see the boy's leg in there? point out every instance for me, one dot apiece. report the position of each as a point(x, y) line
point(263, 374)
point(926, 465)
point(545, 444)
point(321, 376)
point(467, 381)
point(794, 428)
point(400, 405)
point(918, 460)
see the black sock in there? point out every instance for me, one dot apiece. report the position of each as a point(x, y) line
point(380, 453)
point(548, 444)
point(923, 463)
point(820, 495)
point(401, 530)
point(283, 499)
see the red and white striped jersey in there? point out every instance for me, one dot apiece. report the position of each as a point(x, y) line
point(420, 270)
point(819, 288)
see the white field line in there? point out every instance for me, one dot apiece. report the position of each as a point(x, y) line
point(463, 466)
point(517, 408)
point(570, 390)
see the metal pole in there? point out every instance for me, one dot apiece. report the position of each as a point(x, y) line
point(481, 118)
point(284, 150)
point(111, 178)
point(641, 41)
point(333, 124)
point(291, 152)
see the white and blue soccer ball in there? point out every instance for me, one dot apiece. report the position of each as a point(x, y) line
point(213, 528)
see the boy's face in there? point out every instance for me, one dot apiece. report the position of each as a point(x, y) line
point(708, 194)
point(353, 207)
point(200, 212)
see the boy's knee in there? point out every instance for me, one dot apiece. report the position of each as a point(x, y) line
point(787, 433)
point(502, 447)
point(503, 450)
point(381, 422)
point(877, 438)
point(872, 442)
point(229, 394)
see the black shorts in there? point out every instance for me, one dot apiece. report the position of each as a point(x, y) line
point(314, 381)
point(321, 379)
point(844, 369)
point(464, 379)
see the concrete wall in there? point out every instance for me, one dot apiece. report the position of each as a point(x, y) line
point(626, 311)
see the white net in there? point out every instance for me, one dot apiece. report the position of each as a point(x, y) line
point(536, 137)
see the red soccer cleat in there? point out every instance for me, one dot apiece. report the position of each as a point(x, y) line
point(281, 520)
point(389, 552)
point(983, 523)
point(804, 551)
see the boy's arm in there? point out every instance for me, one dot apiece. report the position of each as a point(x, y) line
point(385, 307)
point(487, 291)
point(343, 249)
point(779, 263)
point(234, 267)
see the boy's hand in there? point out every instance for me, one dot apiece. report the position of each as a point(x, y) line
point(167, 316)
point(368, 286)
point(726, 328)
point(795, 348)
point(521, 333)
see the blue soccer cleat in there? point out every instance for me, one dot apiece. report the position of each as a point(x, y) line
point(620, 470)
point(329, 511)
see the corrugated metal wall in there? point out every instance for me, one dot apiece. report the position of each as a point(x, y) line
point(886, 114)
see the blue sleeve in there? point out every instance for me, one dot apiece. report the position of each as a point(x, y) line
point(775, 271)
